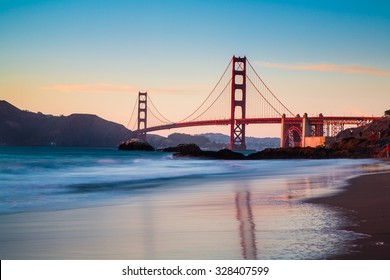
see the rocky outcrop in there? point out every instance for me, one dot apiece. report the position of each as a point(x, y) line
point(360, 147)
point(376, 129)
point(228, 154)
point(368, 141)
point(135, 144)
point(345, 148)
point(193, 151)
point(293, 153)
point(183, 148)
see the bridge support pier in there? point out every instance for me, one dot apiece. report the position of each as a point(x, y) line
point(142, 114)
point(238, 104)
point(306, 131)
point(302, 131)
point(283, 132)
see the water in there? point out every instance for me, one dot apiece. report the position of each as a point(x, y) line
point(73, 203)
point(60, 178)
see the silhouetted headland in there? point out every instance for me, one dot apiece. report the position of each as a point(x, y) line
point(24, 128)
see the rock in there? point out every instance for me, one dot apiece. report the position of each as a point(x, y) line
point(379, 128)
point(292, 153)
point(193, 151)
point(229, 154)
point(183, 148)
point(135, 144)
point(361, 147)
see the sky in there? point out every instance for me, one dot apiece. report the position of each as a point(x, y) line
point(92, 56)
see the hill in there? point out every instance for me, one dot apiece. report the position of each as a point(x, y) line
point(24, 128)
point(175, 139)
point(252, 143)
point(210, 141)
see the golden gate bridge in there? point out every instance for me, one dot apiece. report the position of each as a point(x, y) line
point(240, 97)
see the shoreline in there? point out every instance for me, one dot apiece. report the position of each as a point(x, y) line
point(366, 202)
point(250, 215)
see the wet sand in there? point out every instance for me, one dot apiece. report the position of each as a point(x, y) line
point(216, 220)
point(366, 201)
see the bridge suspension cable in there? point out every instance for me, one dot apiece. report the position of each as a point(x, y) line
point(158, 112)
point(208, 97)
point(260, 101)
point(218, 98)
point(267, 95)
point(131, 117)
point(265, 99)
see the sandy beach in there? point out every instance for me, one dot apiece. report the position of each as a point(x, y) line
point(366, 202)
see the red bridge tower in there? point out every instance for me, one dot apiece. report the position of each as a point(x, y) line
point(142, 114)
point(238, 103)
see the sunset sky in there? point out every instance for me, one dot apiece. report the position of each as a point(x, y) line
point(91, 56)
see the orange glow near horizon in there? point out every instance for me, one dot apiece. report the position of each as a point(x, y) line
point(67, 57)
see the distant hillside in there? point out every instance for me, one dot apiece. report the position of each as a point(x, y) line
point(23, 128)
point(252, 143)
point(210, 141)
point(175, 139)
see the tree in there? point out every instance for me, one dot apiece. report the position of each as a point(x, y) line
point(387, 112)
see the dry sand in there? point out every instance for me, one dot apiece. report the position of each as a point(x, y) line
point(366, 201)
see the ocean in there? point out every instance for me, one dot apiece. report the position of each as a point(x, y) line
point(96, 203)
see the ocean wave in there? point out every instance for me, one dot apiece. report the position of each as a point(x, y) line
point(64, 178)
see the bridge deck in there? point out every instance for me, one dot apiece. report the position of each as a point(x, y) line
point(312, 120)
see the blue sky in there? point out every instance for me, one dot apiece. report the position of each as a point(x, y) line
point(317, 56)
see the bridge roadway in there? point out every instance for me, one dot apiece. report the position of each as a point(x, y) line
point(288, 120)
